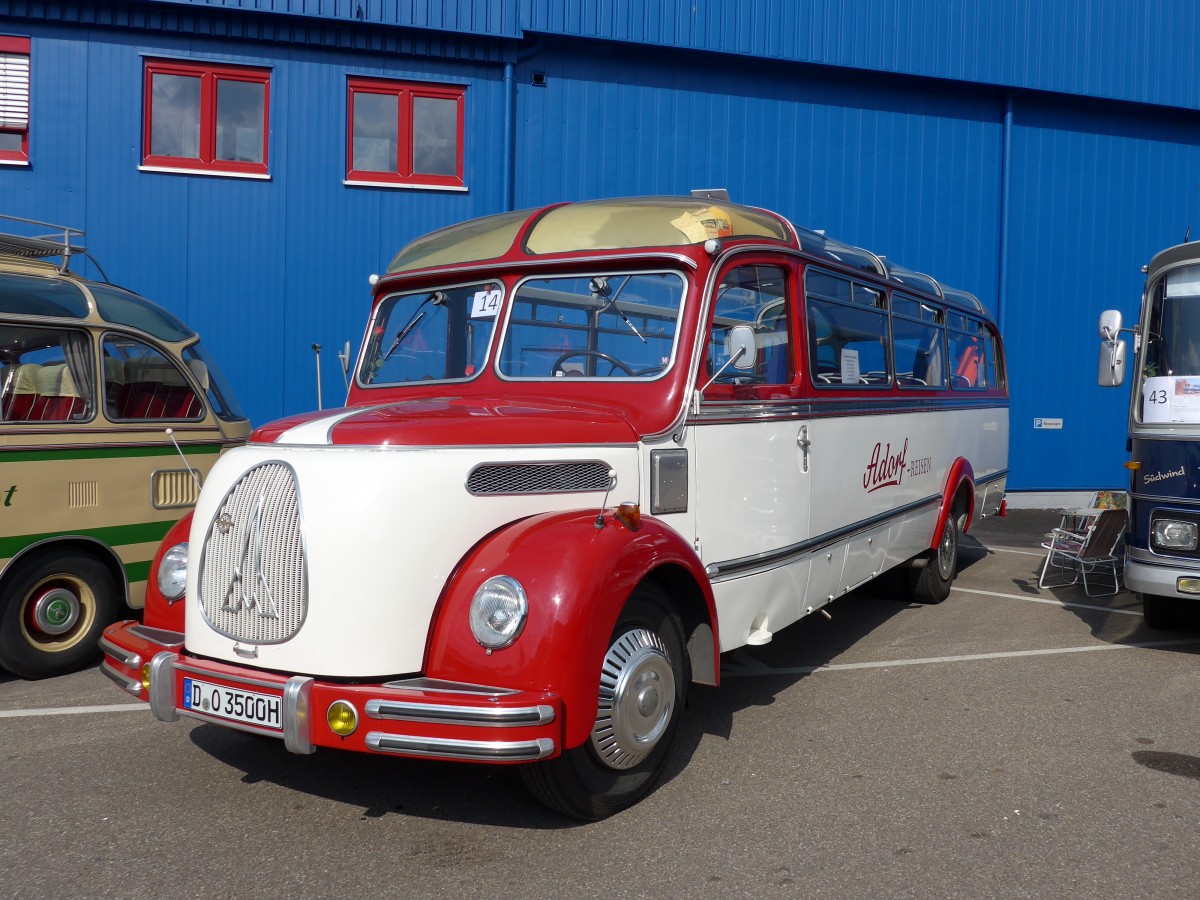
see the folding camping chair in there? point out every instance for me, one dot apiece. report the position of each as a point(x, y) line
point(1075, 556)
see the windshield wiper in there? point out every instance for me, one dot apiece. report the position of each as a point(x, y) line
point(438, 298)
point(599, 288)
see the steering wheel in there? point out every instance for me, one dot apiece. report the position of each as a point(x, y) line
point(611, 360)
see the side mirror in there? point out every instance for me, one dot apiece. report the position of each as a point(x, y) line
point(739, 347)
point(1110, 324)
point(1112, 363)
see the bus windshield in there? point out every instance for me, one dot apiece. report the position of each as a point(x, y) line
point(1171, 362)
point(603, 325)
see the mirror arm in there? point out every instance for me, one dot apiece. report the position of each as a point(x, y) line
point(729, 362)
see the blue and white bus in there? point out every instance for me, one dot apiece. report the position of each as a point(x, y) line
point(1163, 542)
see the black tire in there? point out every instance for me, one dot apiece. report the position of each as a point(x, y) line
point(53, 608)
point(612, 770)
point(931, 583)
point(1159, 611)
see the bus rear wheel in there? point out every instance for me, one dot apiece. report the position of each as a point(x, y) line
point(641, 693)
point(931, 582)
point(52, 611)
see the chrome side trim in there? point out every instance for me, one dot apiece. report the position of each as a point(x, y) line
point(123, 681)
point(446, 687)
point(771, 559)
point(297, 714)
point(161, 636)
point(121, 655)
point(446, 748)
point(460, 715)
point(162, 687)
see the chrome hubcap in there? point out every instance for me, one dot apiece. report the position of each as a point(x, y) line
point(637, 699)
point(56, 611)
point(945, 555)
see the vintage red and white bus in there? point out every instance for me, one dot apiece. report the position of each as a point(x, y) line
point(588, 448)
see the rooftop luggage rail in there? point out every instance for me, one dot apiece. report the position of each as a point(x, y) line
point(63, 243)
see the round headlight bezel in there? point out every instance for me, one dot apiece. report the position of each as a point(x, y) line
point(499, 594)
point(172, 572)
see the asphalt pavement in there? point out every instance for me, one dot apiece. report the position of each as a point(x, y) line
point(1009, 742)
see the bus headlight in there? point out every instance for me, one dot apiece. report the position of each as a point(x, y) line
point(1175, 534)
point(498, 612)
point(172, 572)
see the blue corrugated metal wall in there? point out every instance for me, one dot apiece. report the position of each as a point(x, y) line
point(812, 108)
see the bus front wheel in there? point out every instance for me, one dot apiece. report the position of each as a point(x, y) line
point(642, 687)
point(53, 608)
point(1159, 612)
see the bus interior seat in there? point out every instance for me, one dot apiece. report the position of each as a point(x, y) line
point(20, 398)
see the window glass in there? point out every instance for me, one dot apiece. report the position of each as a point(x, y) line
point(207, 117)
point(970, 358)
point(175, 116)
point(46, 375)
point(124, 308)
point(376, 134)
point(240, 120)
point(918, 347)
point(404, 133)
point(435, 132)
point(141, 383)
point(603, 325)
point(755, 296)
point(847, 331)
point(220, 394)
point(440, 335)
point(28, 295)
point(14, 99)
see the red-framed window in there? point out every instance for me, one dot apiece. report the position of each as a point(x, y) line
point(206, 117)
point(14, 99)
point(404, 133)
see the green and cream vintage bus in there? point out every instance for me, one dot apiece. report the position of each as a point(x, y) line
point(111, 413)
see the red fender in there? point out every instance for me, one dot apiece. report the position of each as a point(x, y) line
point(158, 612)
point(577, 578)
point(960, 473)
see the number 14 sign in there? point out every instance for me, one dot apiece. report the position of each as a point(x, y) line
point(486, 305)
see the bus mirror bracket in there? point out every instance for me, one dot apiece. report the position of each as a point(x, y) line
point(1112, 350)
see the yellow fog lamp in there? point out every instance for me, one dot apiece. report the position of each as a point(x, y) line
point(1188, 585)
point(146, 677)
point(342, 718)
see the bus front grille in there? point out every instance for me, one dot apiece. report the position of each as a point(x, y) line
point(253, 575)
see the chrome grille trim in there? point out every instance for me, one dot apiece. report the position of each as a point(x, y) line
point(253, 582)
point(562, 477)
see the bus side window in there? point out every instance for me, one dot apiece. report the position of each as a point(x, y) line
point(917, 338)
point(847, 331)
point(970, 364)
point(141, 383)
point(47, 375)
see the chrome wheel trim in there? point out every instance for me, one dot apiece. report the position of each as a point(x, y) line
point(637, 699)
point(55, 612)
point(35, 612)
point(945, 553)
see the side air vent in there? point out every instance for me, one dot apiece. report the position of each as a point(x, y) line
point(491, 479)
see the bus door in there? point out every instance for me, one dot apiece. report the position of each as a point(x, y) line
point(853, 451)
point(752, 479)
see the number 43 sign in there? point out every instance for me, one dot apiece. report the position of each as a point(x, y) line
point(486, 304)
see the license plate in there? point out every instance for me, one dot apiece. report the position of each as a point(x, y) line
point(263, 710)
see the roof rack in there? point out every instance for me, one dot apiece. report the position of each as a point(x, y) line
point(62, 243)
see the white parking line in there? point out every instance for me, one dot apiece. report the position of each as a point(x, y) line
point(742, 665)
point(70, 710)
point(1011, 550)
point(1063, 603)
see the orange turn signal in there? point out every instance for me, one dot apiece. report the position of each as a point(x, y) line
point(1133, 465)
point(630, 514)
